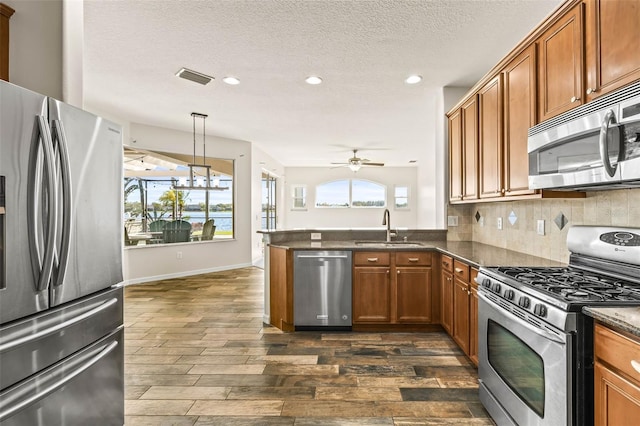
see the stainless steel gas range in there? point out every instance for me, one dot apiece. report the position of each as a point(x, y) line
point(535, 344)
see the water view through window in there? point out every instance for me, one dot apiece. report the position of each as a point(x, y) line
point(156, 212)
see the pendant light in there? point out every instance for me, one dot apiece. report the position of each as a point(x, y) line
point(199, 174)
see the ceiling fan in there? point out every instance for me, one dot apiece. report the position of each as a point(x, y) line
point(355, 162)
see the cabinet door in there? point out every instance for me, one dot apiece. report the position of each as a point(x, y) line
point(446, 309)
point(612, 35)
point(455, 156)
point(371, 295)
point(470, 149)
point(413, 295)
point(561, 64)
point(461, 314)
point(519, 116)
point(616, 400)
point(281, 288)
point(490, 107)
point(473, 325)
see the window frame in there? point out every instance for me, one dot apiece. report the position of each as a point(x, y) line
point(350, 194)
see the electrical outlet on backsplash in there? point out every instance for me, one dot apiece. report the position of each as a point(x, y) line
point(604, 208)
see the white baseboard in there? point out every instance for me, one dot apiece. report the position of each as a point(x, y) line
point(185, 274)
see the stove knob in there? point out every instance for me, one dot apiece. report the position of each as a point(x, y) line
point(509, 294)
point(486, 283)
point(496, 288)
point(524, 301)
point(540, 310)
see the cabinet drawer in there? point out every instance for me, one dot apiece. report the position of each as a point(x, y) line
point(461, 270)
point(618, 351)
point(411, 258)
point(472, 279)
point(447, 263)
point(371, 258)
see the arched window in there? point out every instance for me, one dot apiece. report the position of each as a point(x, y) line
point(351, 193)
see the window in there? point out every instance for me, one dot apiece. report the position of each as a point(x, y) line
point(401, 197)
point(268, 202)
point(351, 193)
point(299, 197)
point(158, 213)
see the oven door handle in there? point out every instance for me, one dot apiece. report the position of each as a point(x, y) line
point(543, 333)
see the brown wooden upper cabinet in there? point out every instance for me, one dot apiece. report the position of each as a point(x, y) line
point(463, 152)
point(612, 34)
point(490, 141)
point(561, 64)
point(519, 115)
point(455, 156)
point(5, 15)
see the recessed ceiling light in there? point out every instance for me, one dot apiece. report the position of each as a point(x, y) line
point(313, 79)
point(194, 76)
point(413, 79)
point(231, 80)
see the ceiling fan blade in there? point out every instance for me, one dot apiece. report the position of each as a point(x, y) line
point(342, 164)
point(373, 164)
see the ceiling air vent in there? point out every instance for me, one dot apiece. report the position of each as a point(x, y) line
point(194, 76)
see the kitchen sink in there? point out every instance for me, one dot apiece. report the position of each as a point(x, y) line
point(396, 244)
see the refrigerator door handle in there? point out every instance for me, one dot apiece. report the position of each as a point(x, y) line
point(76, 319)
point(60, 142)
point(12, 406)
point(42, 263)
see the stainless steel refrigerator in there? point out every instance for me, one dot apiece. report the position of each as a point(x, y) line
point(61, 299)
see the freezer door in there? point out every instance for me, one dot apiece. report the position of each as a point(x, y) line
point(88, 150)
point(23, 141)
point(40, 341)
point(84, 389)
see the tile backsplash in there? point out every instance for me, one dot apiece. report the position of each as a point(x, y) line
point(479, 222)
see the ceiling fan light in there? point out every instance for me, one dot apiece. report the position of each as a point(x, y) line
point(354, 167)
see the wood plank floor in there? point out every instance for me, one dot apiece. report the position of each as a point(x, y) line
point(197, 353)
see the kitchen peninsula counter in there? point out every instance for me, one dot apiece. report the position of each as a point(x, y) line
point(475, 254)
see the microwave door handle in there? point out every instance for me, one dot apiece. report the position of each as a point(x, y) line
point(59, 138)
point(42, 262)
point(608, 119)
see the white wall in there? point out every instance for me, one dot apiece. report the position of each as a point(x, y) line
point(156, 262)
point(35, 46)
point(262, 162)
point(348, 217)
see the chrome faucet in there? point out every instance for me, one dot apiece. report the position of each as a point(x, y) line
point(386, 220)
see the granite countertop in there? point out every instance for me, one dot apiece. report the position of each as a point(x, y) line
point(621, 318)
point(475, 254)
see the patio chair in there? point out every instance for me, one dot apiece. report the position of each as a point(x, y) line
point(208, 230)
point(178, 231)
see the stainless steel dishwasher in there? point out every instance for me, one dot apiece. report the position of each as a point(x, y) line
point(321, 289)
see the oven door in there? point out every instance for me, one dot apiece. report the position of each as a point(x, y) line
point(524, 366)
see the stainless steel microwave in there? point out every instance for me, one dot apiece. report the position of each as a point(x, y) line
point(592, 147)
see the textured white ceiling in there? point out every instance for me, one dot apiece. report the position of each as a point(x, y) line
point(363, 50)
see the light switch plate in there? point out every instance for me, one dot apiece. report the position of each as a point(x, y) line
point(499, 223)
point(452, 220)
point(540, 227)
point(316, 236)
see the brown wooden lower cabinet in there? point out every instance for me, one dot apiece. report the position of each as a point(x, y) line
point(459, 314)
point(617, 378)
point(392, 288)
point(281, 288)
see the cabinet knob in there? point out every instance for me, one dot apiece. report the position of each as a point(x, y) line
point(372, 259)
point(574, 99)
point(590, 91)
point(458, 270)
point(413, 259)
point(398, 271)
point(636, 365)
point(502, 190)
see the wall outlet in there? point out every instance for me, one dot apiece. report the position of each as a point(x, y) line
point(316, 236)
point(179, 255)
point(540, 227)
point(452, 220)
point(499, 224)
